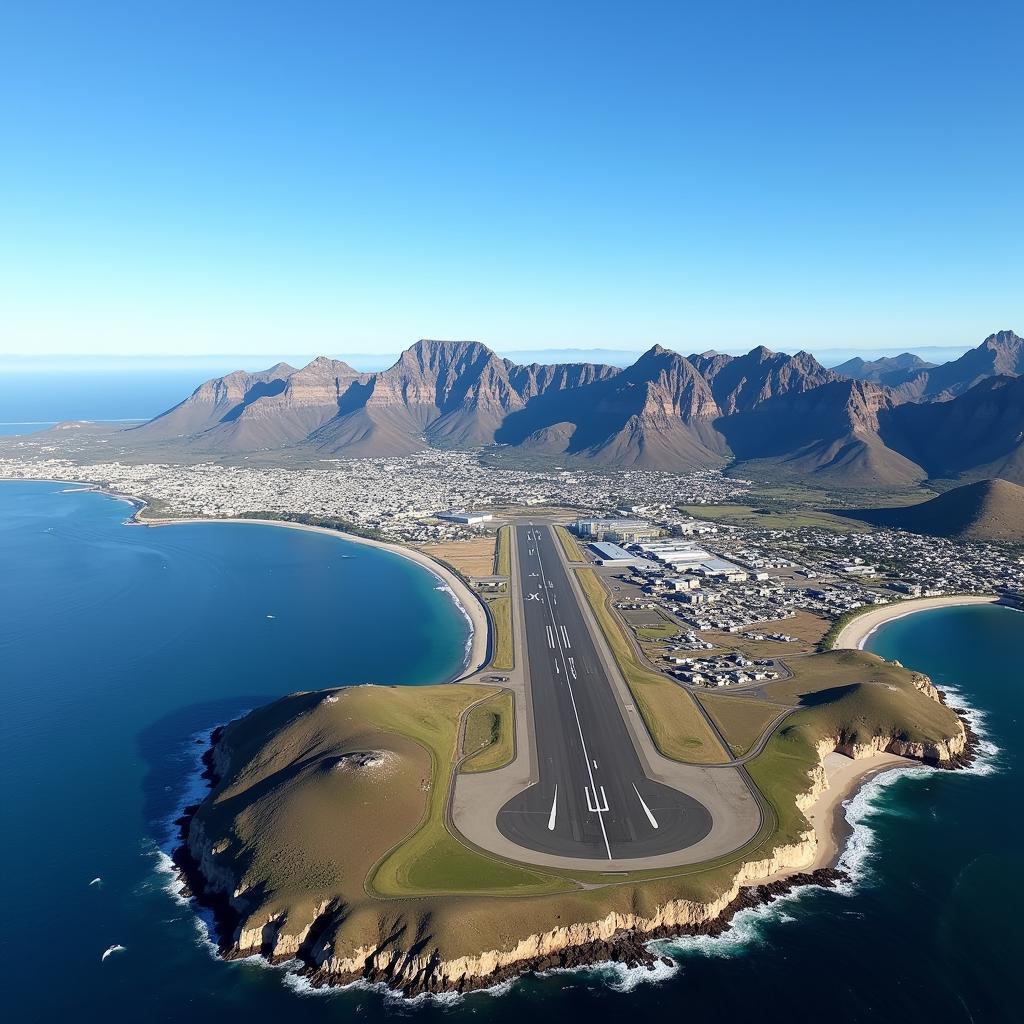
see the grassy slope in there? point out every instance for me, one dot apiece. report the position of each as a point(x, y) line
point(490, 734)
point(501, 614)
point(984, 510)
point(860, 695)
point(660, 632)
point(771, 518)
point(569, 544)
point(502, 559)
point(674, 721)
point(304, 834)
point(741, 720)
point(291, 821)
point(431, 859)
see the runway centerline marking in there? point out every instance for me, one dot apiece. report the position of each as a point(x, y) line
point(650, 817)
point(579, 726)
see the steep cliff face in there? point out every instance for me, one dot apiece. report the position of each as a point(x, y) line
point(394, 942)
point(979, 434)
point(1001, 353)
point(213, 402)
point(830, 433)
point(656, 414)
point(740, 383)
point(665, 412)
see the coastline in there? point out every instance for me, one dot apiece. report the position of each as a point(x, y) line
point(627, 939)
point(854, 635)
point(846, 776)
point(471, 606)
point(467, 602)
point(827, 815)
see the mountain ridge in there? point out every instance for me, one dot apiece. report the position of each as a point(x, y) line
point(763, 411)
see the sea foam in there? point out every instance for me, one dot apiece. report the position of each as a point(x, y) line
point(468, 649)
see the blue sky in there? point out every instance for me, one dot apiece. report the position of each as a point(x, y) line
point(264, 178)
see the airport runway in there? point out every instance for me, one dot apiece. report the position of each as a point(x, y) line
point(593, 799)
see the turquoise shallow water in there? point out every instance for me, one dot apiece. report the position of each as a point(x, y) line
point(120, 645)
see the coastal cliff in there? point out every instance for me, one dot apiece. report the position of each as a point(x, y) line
point(420, 945)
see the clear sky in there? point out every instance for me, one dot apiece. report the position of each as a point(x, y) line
point(184, 178)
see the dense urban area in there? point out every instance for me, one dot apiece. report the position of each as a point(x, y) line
point(694, 576)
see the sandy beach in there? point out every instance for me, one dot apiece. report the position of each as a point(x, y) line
point(827, 816)
point(854, 634)
point(845, 777)
point(469, 602)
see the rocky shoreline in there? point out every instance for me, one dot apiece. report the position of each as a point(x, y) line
point(626, 947)
point(412, 976)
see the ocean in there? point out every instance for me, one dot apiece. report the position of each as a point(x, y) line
point(121, 647)
point(33, 401)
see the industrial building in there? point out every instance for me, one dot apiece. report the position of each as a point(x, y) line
point(611, 554)
point(622, 531)
point(462, 516)
point(674, 551)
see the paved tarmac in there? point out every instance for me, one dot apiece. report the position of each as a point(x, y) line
point(592, 799)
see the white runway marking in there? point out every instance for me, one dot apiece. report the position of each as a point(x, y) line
point(554, 808)
point(565, 637)
point(551, 638)
point(572, 667)
point(650, 817)
point(600, 811)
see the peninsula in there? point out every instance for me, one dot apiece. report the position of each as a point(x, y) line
point(558, 812)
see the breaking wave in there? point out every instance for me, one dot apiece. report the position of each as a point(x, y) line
point(468, 648)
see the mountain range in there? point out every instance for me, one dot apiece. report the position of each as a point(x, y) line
point(890, 422)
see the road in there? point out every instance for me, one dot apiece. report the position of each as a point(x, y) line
point(592, 799)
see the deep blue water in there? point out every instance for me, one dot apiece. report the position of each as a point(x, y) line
point(118, 645)
point(32, 398)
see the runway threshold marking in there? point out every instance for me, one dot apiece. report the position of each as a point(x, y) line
point(650, 817)
point(554, 808)
point(579, 727)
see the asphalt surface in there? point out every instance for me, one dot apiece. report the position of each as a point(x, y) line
point(593, 799)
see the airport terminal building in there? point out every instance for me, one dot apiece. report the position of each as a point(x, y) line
point(621, 531)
